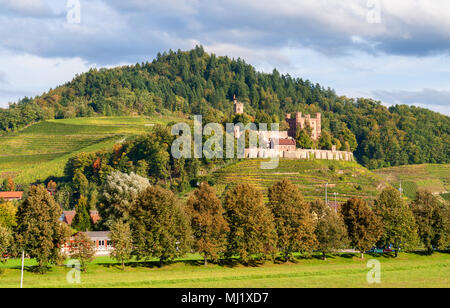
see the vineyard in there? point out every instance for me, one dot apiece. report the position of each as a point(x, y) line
point(433, 177)
point(41, 150)
point(348, 179)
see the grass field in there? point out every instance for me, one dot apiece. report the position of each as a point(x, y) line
point(408, 270)
point(348, 179)
point(42, 149)
point(433, 177)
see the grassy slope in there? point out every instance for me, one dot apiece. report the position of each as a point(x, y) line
point(408, 270)
point(434, 177)
point(42, 149)
point(348, 179)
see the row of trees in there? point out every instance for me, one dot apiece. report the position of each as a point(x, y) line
point(150, 222)
point(194, 82)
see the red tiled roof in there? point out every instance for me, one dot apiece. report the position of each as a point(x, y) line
point(11, 194)
point(286, 141)
point(68, 216)
point(94, 216)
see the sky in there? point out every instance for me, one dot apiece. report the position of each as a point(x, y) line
point(394, 51)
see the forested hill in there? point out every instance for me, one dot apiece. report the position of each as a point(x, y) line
point(195, 82)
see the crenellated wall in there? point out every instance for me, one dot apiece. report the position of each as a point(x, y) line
point(300, 154)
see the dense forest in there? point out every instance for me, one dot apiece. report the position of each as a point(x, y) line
point(195, 82)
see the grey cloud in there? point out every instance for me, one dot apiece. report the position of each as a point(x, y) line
point(126, 31)
point(425, 97)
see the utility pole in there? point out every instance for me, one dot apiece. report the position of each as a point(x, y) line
point(21, 273)
point(326, 193)
point(400, 189)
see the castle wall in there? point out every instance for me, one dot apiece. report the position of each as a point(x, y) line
point(299, 154)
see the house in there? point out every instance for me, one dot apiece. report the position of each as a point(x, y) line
point(11, 195)
point(101, 239)
point(283, 144)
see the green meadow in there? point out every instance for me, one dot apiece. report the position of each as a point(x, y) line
point(346, 270)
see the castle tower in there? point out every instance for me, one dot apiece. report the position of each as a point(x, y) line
point(300, 122)
point(238, 107)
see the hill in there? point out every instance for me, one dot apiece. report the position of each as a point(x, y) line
point(348, 179)
point(195, 82)
point(433, 177)
point(41, 150)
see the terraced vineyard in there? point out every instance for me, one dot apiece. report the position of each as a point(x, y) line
point(348, 179)
point(433, 177)
point(42, 149)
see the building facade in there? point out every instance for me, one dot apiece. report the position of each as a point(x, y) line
point(238, 106)
point(315, 124)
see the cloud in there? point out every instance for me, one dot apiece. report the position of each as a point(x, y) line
point(427, 98)
point(114, 31)
point(327, 41)
point(27, 8)
point(422, 97)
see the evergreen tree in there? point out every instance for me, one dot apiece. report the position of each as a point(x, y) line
point(159, 226)
point(252, 231)
point(82, 220)
point(209, 226)
point(432, 221)
point(293, 220)
point(330, 231)
point(363, 226)
point(399, 225)
point(39, 232)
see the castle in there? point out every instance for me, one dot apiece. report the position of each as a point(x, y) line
point(315, 124)
point(282, 143)
point(238, 107)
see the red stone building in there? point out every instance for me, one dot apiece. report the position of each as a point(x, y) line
point(300, 122)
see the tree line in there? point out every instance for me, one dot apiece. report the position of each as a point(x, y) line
point(149, 221)
point(194, 82)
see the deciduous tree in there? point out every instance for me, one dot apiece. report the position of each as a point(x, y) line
point(39, 231)
point(119, 193)
point(293, 220)
point(432, 220)
point(209, 226)
point(252, 231)
point(399, 225)
point(363, 226)
point(159, 226)
point(82, 248)
point(330, 231)
point(122, 240)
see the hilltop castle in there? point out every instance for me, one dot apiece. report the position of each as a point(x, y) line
point(238, 107)
point(283, 144)
point(314, 124)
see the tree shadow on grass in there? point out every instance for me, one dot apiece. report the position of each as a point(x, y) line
point(32, 269)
